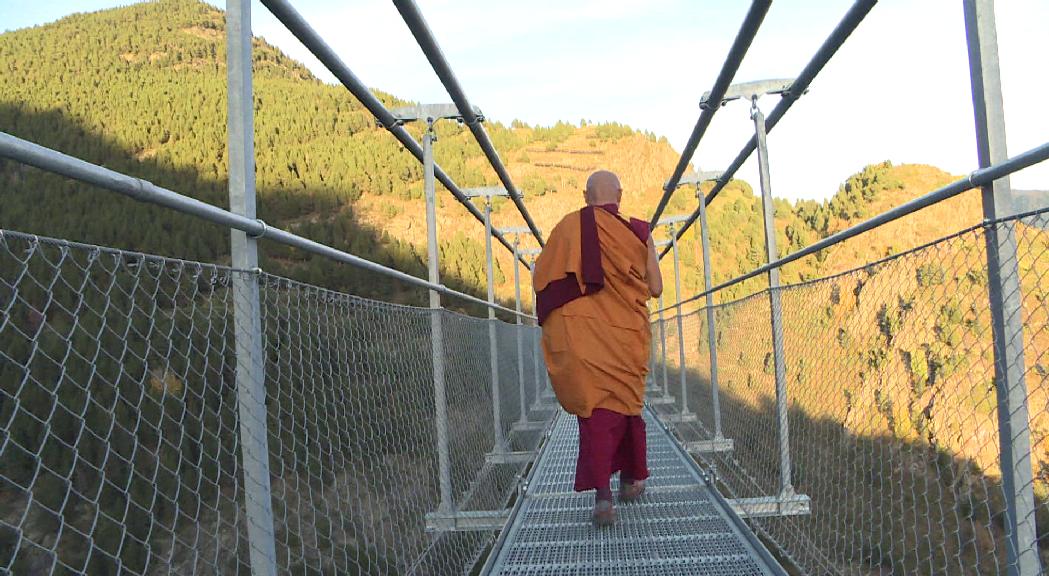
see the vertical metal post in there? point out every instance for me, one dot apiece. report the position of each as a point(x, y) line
point(786, 487)
point(1005, 295)
point(680, 324)
point(711, 332)
point(535, 341)
point(493, 343)
point(663, 348)
point(518, 328)
point(247, 314)
point(652, 386)
point(440, 397)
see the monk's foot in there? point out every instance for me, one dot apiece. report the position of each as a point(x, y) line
point(604, 513)
point(631, 490)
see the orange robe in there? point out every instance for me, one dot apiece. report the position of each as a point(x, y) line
point(597, 345)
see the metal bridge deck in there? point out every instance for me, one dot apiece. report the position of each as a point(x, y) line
point(678, 527)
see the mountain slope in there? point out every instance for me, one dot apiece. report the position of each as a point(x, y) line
point(141, 89)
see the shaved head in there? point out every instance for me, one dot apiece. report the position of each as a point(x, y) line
point(602, 187)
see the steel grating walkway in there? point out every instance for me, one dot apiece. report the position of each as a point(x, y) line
point(678, 527)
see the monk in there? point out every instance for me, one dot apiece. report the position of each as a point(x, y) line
point(592, 282)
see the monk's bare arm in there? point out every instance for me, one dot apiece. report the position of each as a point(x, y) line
point(655, 277)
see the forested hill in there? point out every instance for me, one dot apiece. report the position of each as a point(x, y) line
point(141, 90)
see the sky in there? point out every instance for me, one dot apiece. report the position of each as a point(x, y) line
point(897, 90)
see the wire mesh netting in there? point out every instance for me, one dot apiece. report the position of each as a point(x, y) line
point(122, 432)
point(893, 410)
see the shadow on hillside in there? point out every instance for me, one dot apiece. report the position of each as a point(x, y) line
point(118, 395)
point(119, 408)
point(880, 504)
point(41, 203)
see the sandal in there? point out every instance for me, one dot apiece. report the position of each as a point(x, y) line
point(631, 490)
point(604, 513)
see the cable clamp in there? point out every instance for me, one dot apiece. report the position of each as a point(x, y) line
point(262, 233)
point(140, 189)
point(969, 179)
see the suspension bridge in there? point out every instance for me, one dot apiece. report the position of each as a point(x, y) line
point(169, 416)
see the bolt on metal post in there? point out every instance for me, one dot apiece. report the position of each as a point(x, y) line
point(776, 312)
point(247, 313)
point(1004, 291)
point(436, 326)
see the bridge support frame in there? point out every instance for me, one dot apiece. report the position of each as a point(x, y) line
point(661, 400)
point(712, 344)
point(247, 314)
point(710, 446)
point(501, 453)
point(663, 349)
point(520, 328)
point(521, 457)
point(786, 487)
point(518, 336)
point(467, 521)
point(493, 341)
point(685, 415)
point(1005, 295)
point(537, 348)
point(766, 507)
point(530, 426)
point(538, 368)
point(436, 325)
point(431, 113)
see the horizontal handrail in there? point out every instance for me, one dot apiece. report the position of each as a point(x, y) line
point(56, 162)
point(975, 179)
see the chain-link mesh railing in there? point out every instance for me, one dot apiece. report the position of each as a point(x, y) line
point(1032, 249)
point(893, 421)
point(121, 437)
